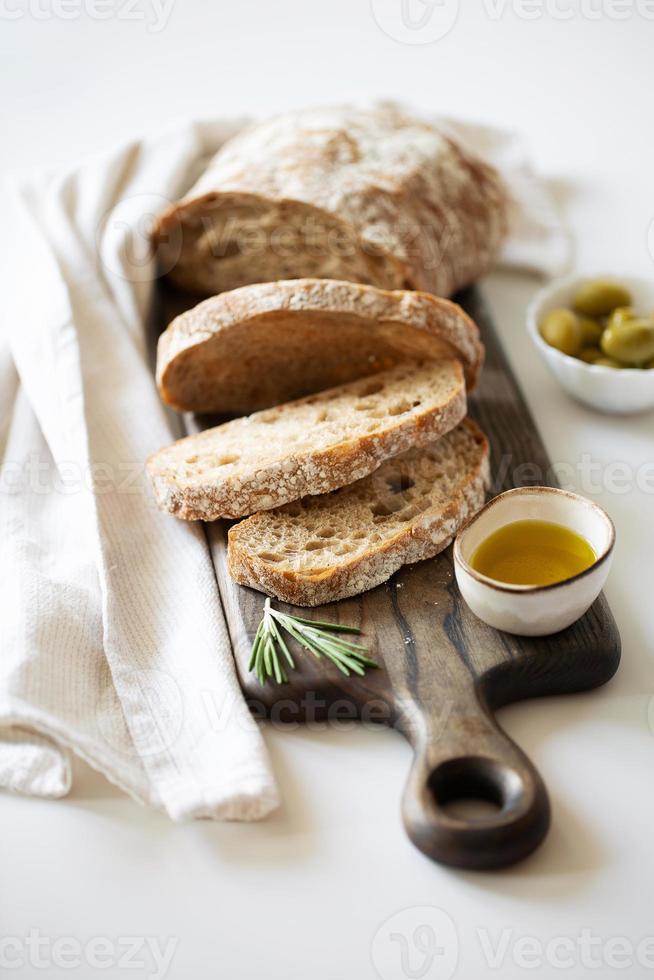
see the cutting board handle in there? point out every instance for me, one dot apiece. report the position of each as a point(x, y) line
point(472, 758)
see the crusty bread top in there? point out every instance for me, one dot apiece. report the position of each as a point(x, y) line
point(368, 194)
point(308, 446)
point(325, 548)
point(270, 342)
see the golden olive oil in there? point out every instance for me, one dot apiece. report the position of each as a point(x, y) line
point(533, 553)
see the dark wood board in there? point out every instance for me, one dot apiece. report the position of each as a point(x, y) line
point(442, 672)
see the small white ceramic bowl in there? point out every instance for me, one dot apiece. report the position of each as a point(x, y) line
point(534, 610)
point(607, 389)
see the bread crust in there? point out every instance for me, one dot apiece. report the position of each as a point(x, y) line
point(407, 205)
point(428, 534)
point(270, 342)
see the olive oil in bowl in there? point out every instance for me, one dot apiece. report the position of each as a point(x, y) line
point(534, 559)
point(533, 553)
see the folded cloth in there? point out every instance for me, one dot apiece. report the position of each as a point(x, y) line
point(113, 640)
point(114, 644)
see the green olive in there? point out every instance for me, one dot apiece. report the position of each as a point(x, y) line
point(561, 329)
point(591, 331)
point(620, 315)
point(590, 354)
point(631, 343)
point(598, 297)
point(607, 362)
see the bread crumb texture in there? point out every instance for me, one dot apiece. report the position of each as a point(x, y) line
point(272, 342)
point(309, 446)
point(324, 548)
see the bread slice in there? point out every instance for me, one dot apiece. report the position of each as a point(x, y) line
point(308, 446)
point(325, 548)
point(265, 344)
point(372, 195)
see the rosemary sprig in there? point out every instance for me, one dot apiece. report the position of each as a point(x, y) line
point(318, 638)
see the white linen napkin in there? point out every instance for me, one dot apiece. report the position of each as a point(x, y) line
point(113, 642)
point(112, 635)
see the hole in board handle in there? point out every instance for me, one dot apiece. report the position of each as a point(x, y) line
point(474, 788)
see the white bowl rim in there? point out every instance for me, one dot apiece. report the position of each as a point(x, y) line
point(532, 589)
point(568, 282)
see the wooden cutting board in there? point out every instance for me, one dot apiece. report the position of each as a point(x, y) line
point(442, 672)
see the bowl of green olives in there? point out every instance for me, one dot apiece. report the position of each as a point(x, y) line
point(597, 337)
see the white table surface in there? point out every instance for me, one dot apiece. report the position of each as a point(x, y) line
point(305, 893)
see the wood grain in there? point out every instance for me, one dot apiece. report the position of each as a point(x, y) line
point(442, 671)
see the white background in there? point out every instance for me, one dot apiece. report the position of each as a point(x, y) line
point(304, 893)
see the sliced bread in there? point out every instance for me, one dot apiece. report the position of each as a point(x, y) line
point(367, 194)
point(265, 344)
point(308, 446)
point(325, 548)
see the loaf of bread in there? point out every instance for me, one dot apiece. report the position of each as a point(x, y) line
point(369, 195)
point(336, 545)
point(271, 342)
point(308, 446)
